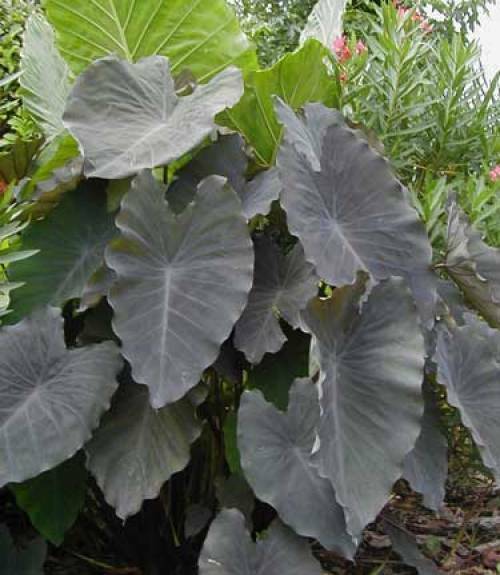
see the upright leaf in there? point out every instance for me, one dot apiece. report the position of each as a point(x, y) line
point(254, 116)
point(349, 211)
point(27, 561)
point(226, 158)
point(201, 35)
point(182, 282)
point(276, 454)
point(51, 398)
point(137, 448)
point(468, 359)
point(371, 357)
point(71, 242)
point(282, 287)
point(405, 544)
point(325, 22)
point(16, 163)
point(45, 76)
point(426, 466)
point(54, 499)
point(229, 550)
point(135, 120)
point(473, 265)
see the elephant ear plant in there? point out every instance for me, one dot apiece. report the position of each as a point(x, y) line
point(178, 284)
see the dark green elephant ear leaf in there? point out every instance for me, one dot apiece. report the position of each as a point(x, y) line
point(137, 448)
point(371, 357)
point(282, 287)
point(21, 561)
point(426, 466)
point(468, 359)
point(276, 456)
point(229, 550)
point(348, 210)
point(226, 158)
point(71, 241)
point(54, 499)
point(473, 265)
point(122, 131)
point(51, 398)
point(182, 282)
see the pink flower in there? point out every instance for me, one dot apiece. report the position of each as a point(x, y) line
point(360, 48)
point(402, 12)
point(425, 26)
point(495, 173)
point(341, 49)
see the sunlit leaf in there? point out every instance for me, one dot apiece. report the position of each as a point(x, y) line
point(201, 35)
point(371, 357)
point(254, 116)
point(325, 22)
point(127, 117)
point(51, 398)
point(45, 76)
point(137, 448)
point(276, 453)
point(182, 282)
point(282, 287)
point(349, 211)
point(229, 550)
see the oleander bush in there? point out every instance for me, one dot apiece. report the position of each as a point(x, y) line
point(235, 297)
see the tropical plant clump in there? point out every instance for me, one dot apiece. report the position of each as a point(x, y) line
point(226, 316)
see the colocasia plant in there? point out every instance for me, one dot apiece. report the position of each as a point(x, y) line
point(225, 299)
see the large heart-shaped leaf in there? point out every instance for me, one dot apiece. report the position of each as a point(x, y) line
point(226, 158)
point(45, 76)
point(282, 287)
point(202, 35)
point(71, 242)
point(349, 211)
point(182, 283)
point(27, 561)
point(51, 398)
point(426, 466)
point(325, 22)
point(276, 455)
point(468, 359)
point(473, 265)
point(54, 499)
point(229, 550)
point(254, 116)
point(137, 448)
point(371, 357)
point(127, 117)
